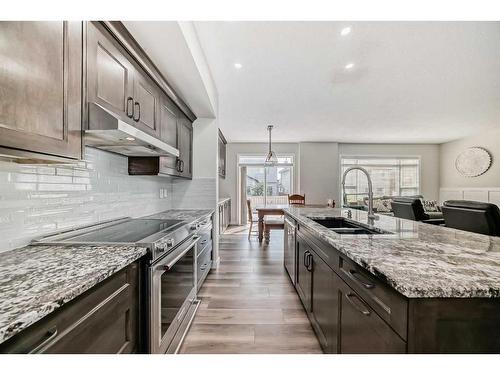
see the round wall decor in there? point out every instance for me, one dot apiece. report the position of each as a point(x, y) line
point(473, 162)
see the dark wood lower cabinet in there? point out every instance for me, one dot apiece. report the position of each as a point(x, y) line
point(353, 311)
point(304, 277)
point(362, 331)
point(324, 304)
point(342, 320)
point(315, 285)
point(105, 319)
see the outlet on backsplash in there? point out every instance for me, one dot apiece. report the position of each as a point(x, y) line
point(163, 193)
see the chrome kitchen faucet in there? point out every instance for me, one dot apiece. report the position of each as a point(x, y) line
point(371, 215)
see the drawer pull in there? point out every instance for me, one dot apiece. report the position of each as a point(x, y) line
point(356, 276)
point(47, 337)
point(361, 309)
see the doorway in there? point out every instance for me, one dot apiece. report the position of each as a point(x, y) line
point(263, 184)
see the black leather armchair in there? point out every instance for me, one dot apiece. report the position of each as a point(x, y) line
point(412, 209)
point(477, 217)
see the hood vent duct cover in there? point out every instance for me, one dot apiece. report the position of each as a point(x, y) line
point(106, 131)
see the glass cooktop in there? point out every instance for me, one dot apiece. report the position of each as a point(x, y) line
point(133, 230)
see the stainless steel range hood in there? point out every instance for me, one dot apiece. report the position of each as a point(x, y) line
point(107, 131)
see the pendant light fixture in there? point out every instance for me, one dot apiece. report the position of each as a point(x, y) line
point(271, 158)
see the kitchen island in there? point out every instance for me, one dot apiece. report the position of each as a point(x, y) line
point(409, 288)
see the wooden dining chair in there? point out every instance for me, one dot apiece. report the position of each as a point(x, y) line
point(252, 218)
point(297, 199)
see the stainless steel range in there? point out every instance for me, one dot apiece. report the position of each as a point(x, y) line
point(172, 269)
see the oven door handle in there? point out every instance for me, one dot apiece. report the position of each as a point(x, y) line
point(170, 264)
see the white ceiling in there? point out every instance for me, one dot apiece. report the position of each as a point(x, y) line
point(168, 47)
point(412, 82)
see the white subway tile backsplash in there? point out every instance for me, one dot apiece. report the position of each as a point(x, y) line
point(37, 199)
point(195, 193)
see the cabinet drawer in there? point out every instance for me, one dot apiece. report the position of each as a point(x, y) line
point(326, 251)
point(102, 320)
point(362, 330)
point(205, 238)
point(204, 263)
point(388, 303)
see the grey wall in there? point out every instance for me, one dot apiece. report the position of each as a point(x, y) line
point(429, 160)
point(317, 166)
point(450, 178)
point(319, 171)
point(228, 186)
point(37, 199)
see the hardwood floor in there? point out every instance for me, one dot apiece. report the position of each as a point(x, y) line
point(248, 304)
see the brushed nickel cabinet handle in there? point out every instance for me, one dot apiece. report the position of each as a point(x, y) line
point(356, 276)
point(138, 106)
point(46, 338)
point(349, 296)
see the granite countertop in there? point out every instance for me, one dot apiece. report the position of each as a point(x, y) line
point(418, 260)
point(36, 280)
point(187, 215)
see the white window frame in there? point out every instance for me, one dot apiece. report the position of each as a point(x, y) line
point(254, 154)
point(378, 156)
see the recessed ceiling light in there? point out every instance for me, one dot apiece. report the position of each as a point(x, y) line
point(349, 66)
point(130, 138)
point(238, 65)
point(345, 31)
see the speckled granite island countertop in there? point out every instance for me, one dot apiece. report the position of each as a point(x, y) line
point(36, 280)
point(418, 260)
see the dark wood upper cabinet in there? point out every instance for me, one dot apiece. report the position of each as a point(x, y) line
point(185, 143)
point(169, 116)
point(41, 86)
point(222, 155)
point(172, 122)
point(169, 119)
point(146, 104)
point(110, 75)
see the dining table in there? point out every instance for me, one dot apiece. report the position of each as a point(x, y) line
point(275, 210)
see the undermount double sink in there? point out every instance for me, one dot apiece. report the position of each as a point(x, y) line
point(343, 226)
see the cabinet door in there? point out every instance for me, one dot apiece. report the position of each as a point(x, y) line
point(222, 158)
point(289, 250)
point(303, 284)
point(325, 304)
point(40, 81)
point(169, 119)
point(219, 143)
point(110, 75)
point(146, 103)
point(362, 330)
point(185, 133)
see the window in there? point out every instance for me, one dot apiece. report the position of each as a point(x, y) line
point(267, 184)
point(390, 177)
